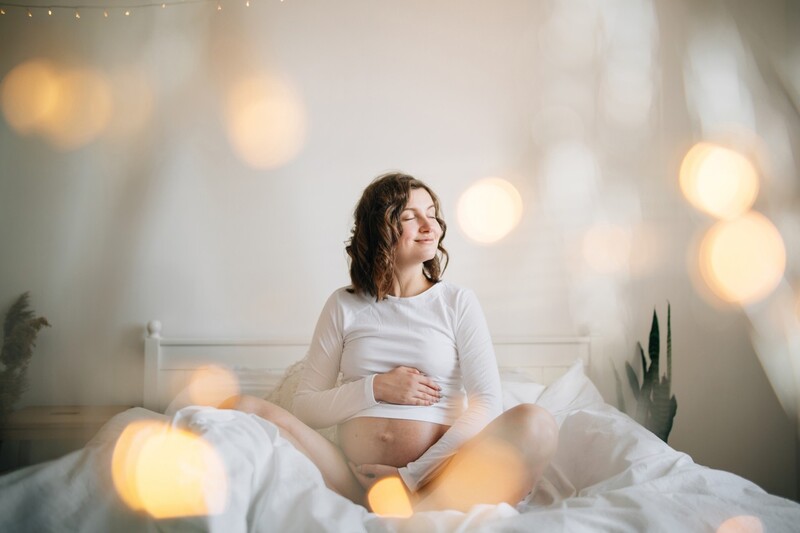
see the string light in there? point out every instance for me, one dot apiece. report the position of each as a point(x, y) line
point(127, 9)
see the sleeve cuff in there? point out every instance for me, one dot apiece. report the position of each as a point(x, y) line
point(369, 392)
point(405, 475)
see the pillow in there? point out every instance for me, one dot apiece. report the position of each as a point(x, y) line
point(257, 381)
point(518, 387)
point(283, 394)
point(572, 391)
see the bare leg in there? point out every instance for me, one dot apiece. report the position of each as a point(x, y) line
point(500, 464)
point(323, 453)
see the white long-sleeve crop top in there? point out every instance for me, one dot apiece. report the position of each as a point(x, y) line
point(441, 332)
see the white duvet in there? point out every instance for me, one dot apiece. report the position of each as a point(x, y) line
point(609, 474)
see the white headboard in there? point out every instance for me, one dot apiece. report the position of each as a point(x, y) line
point(169, 363)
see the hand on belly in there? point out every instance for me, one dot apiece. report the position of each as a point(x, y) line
point(387, 441)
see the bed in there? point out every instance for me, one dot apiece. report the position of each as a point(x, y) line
point(609, 474)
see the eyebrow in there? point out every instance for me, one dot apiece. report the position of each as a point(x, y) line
point(426, 209)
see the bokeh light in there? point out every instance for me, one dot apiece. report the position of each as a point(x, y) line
point(742, 260)
point(68, 107)
point(489, 209)
point(490, 471)
point(718, 93)
point(29, 95)
point(265, 121)
point(387, 497)
point(741, 524)
point(83, 110)
point(607, 248)
point(168, 472)
point(211, 385)
point(718, 180)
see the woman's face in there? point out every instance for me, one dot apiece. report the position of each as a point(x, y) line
point(420, 230)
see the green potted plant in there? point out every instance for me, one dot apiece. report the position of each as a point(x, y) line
point(656, 406)
point(19, 337)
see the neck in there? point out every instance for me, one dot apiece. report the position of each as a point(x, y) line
point(410, 283)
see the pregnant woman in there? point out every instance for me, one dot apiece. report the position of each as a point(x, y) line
point(420, 394)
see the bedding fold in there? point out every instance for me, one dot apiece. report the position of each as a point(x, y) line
point(609, 474)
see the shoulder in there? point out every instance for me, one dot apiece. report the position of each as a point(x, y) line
point(345, 301)
point(455, 294)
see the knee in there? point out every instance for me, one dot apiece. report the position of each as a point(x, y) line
point(534, 429)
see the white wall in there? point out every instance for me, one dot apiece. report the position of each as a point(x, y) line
point(166, 220)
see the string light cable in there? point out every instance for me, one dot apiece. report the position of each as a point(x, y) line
point(74, 10)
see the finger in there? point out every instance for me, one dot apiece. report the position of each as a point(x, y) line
point(366, 483)
point(378, 471)
point(368, 470)
point(363, 480)
point(425, 391)
point(427, 382)
point(427, 399)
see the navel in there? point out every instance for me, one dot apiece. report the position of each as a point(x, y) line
point(385, 436)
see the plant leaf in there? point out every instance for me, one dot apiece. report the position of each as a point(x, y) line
point(620, 395)
point(19, 335)
point(17, 313)
point(654, 347)
point(641, 357)
point(669, 342)
point(632, 380)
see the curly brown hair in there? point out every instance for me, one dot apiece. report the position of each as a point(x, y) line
point(376, 230)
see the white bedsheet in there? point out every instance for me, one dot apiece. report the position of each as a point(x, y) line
point(609, 474)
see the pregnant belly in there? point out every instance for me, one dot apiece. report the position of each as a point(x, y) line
point(387, 441)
